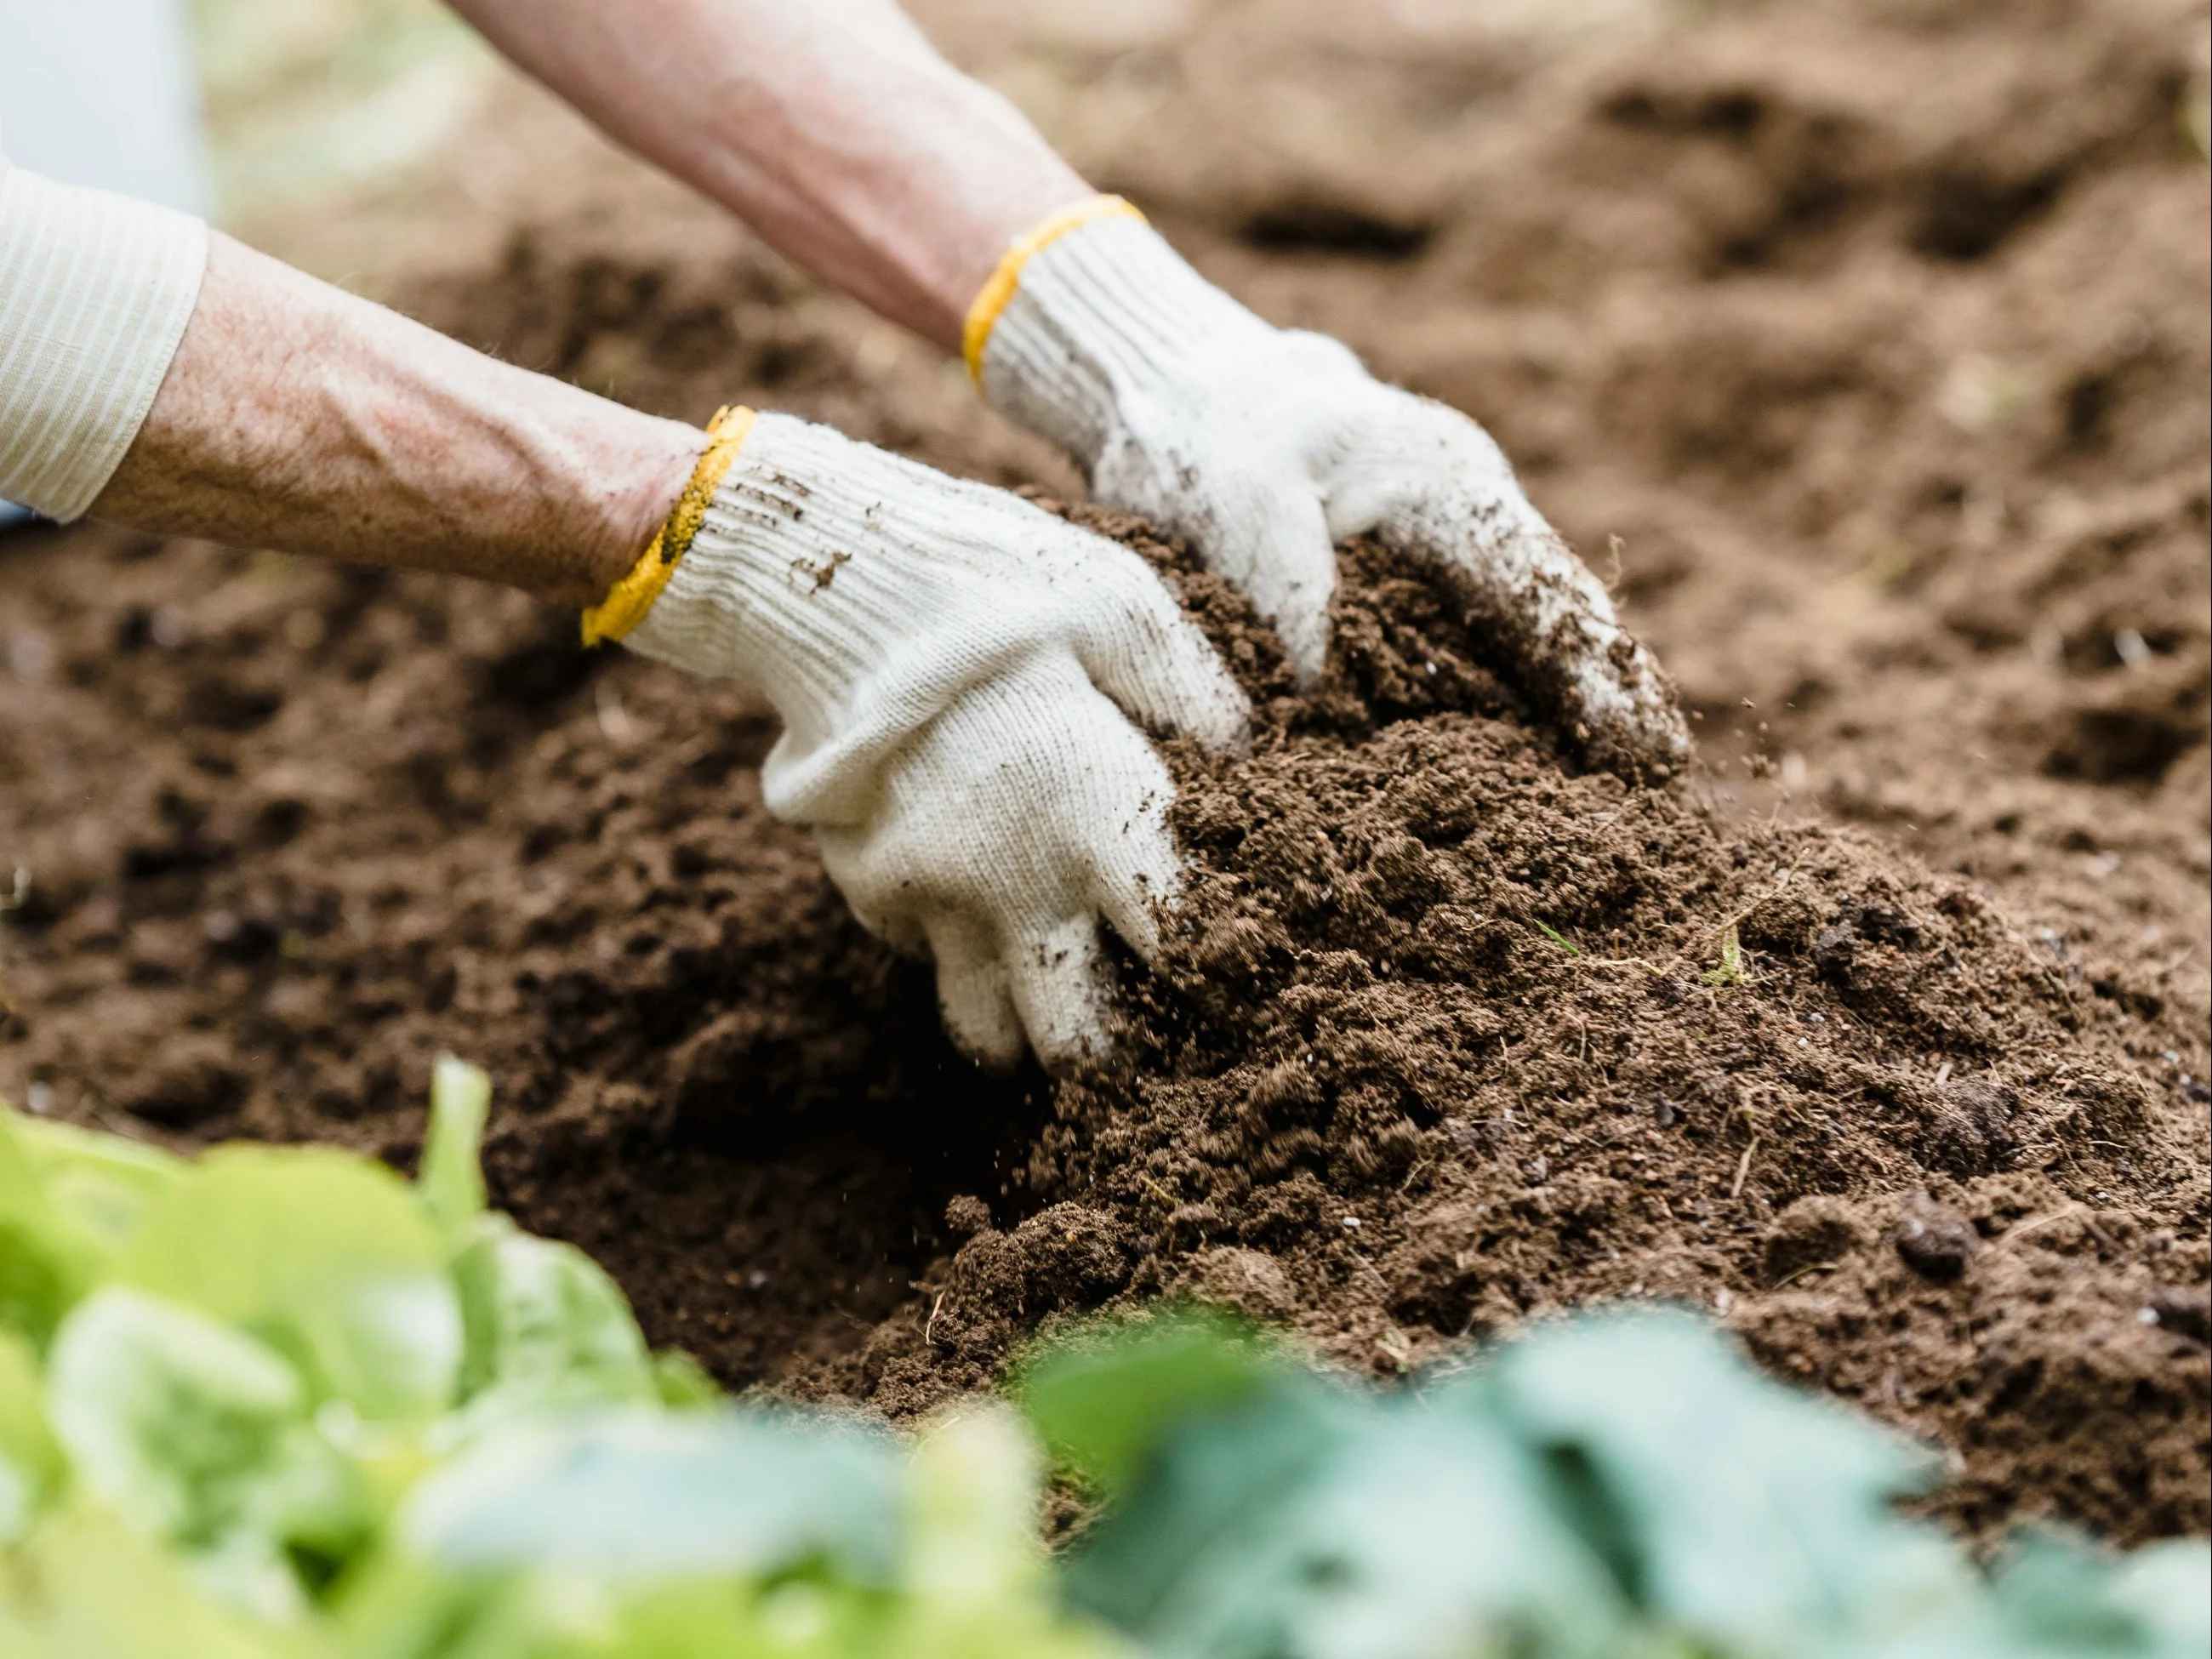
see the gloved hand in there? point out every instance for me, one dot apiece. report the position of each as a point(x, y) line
point(1265, 446)
point(957, 672)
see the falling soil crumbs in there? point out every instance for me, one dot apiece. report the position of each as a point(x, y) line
point(1451, 1033)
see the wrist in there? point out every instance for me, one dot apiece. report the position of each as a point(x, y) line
point(796, 553)
point(1093, 305)
point(651, 522)
point(644, 478)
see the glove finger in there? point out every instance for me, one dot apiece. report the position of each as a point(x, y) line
point(1323, 358)
point(974, 992)
point(1431, 483)
point(856, 867)
point(1271, 538)
point(1135, 866)
point(1139, 648)
point(1060, 988)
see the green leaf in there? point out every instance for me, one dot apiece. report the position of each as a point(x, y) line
point(972, 1491)
point(632, 1536)
point(1316, 1521)
point(451, 1186)
point(31, 1465)
point(197, 1434)
point(102, 1181)
point(1746, 1514)
point(397, 1608)
point(631, 1493)
point(409, 1609)
point(682, 1383)
point(1434, 1535)
point(800, 1619)
point(1185, 1529)
point(2168, 1587)
point(977, 1578)
point(1104, 1401)
point(543, 1322)
point(86, 1586)
point(2053, 1595)
point(48, 1259)
point(324, 1255)
point(1557, 937)
point(2058, 1599)
point(1731, 968)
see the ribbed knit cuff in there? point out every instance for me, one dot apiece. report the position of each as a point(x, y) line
point(818, 577)
point(1101, 318)
point(95, 290)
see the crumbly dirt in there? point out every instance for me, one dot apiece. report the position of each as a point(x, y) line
point(1876, 333)
point(1449, 1038)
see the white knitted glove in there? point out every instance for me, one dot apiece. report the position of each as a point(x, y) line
point(1265, 446)
point(957, 672)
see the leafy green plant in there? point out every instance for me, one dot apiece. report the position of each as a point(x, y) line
point(278, 1403)
point(1615, 1486)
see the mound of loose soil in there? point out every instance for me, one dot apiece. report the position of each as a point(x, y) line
point(1450, 1037)
point(1896, 395)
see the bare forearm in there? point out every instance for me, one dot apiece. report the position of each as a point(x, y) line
point(832, 127)
point(295, 415)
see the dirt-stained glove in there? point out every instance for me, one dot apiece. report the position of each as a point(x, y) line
point(957, 673)
point(1265, 446)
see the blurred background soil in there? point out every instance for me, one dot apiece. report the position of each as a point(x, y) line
point(1863, 347)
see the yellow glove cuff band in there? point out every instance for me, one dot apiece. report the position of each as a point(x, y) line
point(993, 298)
point(629, 599)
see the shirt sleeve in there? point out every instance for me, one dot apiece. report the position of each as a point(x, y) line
point(95, 290)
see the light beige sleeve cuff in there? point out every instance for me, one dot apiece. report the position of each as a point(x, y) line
point(95, 290)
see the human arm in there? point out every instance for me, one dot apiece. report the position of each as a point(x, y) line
point(833, 128)
point(959, 672)
point(837, 131)
point(156, 375)
point(298, 417)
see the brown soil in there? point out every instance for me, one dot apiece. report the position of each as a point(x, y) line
point(1450, 1037)
point(1876, 332)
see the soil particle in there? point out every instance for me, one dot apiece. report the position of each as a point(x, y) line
point(1936, 1241)
point(2186, 1313)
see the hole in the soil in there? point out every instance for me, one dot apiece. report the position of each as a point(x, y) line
point(1721, 112)
point(791, 1252)
point(1968, 215)
point(1315, 226)
point(191, 1084)
point(2119, 745)
point(279, 821)
point(226, 706)
point(2090, 403)
point(780, 362)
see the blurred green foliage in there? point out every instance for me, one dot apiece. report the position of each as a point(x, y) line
point(278, 1403)
point(1616, 1486)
